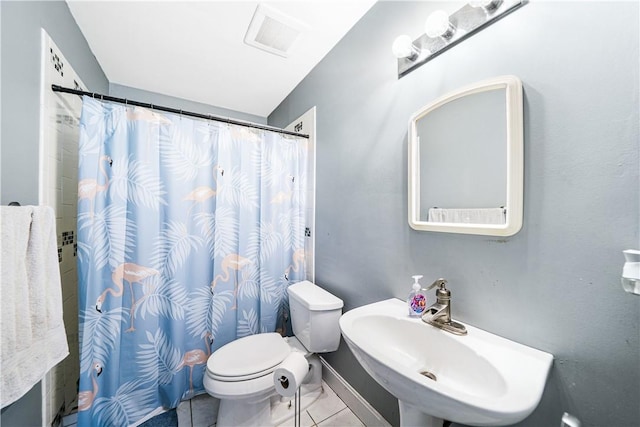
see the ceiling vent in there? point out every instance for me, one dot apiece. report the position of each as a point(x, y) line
point(273, 31)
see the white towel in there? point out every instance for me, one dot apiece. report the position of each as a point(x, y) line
point(468, 216)
point(33, 334)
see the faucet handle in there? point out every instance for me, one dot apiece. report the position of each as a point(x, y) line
point(440, 282)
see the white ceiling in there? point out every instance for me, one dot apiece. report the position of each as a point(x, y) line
point(196, 50)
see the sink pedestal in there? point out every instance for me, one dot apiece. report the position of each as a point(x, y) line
point(411, 416)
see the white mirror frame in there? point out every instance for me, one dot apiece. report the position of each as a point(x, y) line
point(515, 161)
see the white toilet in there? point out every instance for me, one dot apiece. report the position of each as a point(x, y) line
point(240, 373)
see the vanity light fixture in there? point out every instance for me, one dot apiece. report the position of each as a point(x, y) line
point(443, 31)
point(487, 5)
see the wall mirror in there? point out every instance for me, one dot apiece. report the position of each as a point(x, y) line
point(466, 160)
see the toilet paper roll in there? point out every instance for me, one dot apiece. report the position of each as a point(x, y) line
point(289, 375)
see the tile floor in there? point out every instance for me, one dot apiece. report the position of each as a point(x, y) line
point(201, 411)
point(327, 411)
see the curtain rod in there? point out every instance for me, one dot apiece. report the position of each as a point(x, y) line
point(57, 88)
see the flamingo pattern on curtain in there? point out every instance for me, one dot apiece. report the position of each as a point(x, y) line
point(189, 232)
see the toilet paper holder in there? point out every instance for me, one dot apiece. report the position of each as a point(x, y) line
point(288, 378)
point(284, 381)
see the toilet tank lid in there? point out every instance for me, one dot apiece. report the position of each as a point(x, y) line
point(314, 297)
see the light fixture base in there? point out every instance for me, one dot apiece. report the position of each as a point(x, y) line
point(468, 21)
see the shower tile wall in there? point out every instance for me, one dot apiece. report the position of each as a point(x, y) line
point(306, 124)
point(58, 188)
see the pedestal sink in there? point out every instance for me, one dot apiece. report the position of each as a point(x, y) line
point(477, 379)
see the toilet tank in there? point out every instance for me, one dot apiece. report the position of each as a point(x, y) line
point(314, 315)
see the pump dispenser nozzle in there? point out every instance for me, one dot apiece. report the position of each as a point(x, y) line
point(416, 285)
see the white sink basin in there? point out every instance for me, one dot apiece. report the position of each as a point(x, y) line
point(481, 379)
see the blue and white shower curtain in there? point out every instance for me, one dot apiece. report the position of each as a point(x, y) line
point(189, 232)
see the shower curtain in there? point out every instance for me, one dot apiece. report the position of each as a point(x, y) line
point(189, 232)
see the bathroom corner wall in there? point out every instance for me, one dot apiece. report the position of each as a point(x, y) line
point(60, 119)
point(306, 124)
point(20, 38)
point(556, 284)
point(127, 92)
point(21, 25)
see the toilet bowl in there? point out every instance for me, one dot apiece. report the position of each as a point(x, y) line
point(240, 373)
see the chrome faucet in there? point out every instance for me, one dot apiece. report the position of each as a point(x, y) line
point(439, 314)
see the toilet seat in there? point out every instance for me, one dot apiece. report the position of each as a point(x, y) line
point(248, 358)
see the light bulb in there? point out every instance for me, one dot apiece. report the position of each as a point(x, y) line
point(438, 25)
point(403, 47)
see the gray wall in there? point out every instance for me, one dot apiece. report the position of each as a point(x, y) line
point(128, 92)
point(21, 23)
point(556, 284)
point(20, 86)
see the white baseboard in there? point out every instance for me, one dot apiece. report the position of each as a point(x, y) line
point(360, 407)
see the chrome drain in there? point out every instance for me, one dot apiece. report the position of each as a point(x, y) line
point(429, 375)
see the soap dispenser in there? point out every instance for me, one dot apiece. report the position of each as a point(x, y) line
point(417, 301)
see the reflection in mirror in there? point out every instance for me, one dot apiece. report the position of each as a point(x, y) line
point(465, 161)
point(467, 164)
